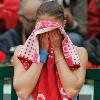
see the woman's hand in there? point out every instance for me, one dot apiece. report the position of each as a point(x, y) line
point(56, 39)
point(43, 41)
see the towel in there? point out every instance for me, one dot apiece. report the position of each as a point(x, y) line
point(49, 86)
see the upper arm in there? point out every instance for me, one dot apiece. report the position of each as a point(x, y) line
point(81, 72)
point(18, 67)
point(83, 55)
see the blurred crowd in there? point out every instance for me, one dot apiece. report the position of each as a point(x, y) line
point(82, 24)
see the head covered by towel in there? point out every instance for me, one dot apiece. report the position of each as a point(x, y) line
point(54, 14)
point(30, 50)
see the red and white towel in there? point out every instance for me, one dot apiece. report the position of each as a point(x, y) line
point(49, 86)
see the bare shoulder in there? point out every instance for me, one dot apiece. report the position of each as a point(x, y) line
point(82, 51)
point(16, 61)
point(18, 48)
point(83, 55)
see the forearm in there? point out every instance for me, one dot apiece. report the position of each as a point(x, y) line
point(28, 80)
point(68, 78)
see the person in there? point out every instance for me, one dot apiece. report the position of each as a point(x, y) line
point(15, 36)
point(27, 16)
point(92, 44)
point(44, 80)
point(77, 30)
point(93, 18)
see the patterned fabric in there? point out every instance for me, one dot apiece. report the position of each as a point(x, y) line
point(45, 89)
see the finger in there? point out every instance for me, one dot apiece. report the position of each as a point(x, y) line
point(42, 35)
point(50, 37)
point(59, 32)
point(45, 36)
point(39, 38)
point(55, 35)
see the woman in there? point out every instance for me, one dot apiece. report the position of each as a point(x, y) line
point(52, 78)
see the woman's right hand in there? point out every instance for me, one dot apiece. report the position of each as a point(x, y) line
point(43, 41)
point(56, 39)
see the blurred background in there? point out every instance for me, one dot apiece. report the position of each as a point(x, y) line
point(82, 17)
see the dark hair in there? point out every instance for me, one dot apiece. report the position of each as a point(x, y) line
point(51, 8)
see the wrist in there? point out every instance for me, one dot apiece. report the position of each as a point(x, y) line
point(57, 48)
point(44, 48)
point(58, 53)
point(43, 55)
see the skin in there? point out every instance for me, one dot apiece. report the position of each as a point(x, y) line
point(72, 84)
point(29, 11)
point(25, 81)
